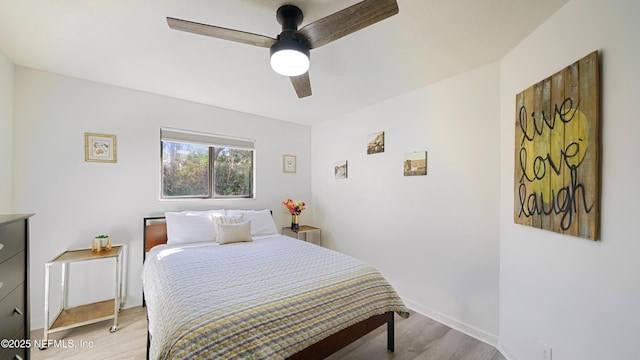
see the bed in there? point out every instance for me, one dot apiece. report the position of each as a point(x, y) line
point(266, 297)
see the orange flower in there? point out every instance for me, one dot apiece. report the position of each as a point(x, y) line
point(295, 208)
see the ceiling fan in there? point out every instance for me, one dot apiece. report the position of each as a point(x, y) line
point(290, 49)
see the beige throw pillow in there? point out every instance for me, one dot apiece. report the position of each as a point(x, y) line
point(232, 233)
point(226, 220)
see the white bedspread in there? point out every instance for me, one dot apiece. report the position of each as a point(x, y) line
point(265, 299)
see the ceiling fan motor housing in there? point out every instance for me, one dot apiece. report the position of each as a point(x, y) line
point(291, 43)
point(289, 16)
point(289, 40)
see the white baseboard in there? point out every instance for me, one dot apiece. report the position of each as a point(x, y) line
point(465, 328)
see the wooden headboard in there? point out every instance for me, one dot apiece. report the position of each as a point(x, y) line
point(154, 233)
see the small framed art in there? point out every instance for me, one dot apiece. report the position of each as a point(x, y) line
point(341, 170)
point(415, 163)
point(99, 147)
point(375, 143)
point(289, 164)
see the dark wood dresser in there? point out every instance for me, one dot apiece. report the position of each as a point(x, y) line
point(14, 286)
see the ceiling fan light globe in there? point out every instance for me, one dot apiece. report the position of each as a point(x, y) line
point(289, 62)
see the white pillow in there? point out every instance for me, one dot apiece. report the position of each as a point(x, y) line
point(225, 220)
point(261, 221)
point(231, 233)
point(191, 226)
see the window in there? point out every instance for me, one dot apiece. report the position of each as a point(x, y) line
point(197, 165)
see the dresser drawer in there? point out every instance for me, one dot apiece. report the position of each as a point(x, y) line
point(13, 354)
point(12, 238)
point(12, 320)
point(11, 274)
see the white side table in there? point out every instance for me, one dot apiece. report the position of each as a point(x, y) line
point(68, 318)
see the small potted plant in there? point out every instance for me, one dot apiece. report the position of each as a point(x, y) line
point(96, 244)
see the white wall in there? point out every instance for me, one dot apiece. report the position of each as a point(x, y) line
point(577, 296)
point(74, 200)
point(443, 240)
point(434, 237)
point(6, 132)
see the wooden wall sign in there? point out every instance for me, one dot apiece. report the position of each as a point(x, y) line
point(557, 142)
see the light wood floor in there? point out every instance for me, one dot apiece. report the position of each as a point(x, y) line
point(416, 338)
point(128, 342)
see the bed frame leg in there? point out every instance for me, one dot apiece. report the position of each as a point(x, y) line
point(148, 339)
point(390, 335)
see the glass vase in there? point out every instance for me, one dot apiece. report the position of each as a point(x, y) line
point(295, 221)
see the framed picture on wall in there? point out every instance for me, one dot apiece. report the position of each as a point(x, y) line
point(340, 169)
point(289, 164)
point(557, 151)
point(375, 143)
point(415, 163)
point(99, 148)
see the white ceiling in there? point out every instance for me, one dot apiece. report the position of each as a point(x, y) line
point(127, 43)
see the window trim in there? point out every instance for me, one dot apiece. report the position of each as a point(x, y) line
point(212, 141)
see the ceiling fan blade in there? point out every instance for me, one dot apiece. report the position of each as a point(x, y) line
point(347, 21)
point(301, 84)
point(220, 32)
